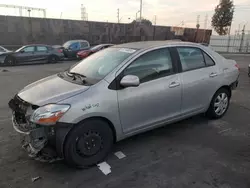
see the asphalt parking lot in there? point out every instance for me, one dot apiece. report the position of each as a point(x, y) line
point(193, 153)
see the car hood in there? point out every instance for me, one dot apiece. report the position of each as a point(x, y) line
point(50, 90)
point(6, 53)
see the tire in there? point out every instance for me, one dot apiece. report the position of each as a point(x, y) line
point(10, 60)
point(95, 134)
point(219, 104)
point(53, 59)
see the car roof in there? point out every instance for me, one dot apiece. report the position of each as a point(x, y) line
point(77, 40)
point(37, 45)
point(152, 44)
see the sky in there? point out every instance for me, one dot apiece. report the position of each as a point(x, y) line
point(167, 12)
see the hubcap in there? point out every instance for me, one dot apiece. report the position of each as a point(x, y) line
point(10, 61)
point(89, 144)
point(221, 103)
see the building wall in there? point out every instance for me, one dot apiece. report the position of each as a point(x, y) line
point(24, 30)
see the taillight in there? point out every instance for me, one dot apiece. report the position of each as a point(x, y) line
point(237, 66)
point(60, 50)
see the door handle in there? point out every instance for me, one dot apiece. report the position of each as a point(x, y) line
point(174, 84)
point(213, 74)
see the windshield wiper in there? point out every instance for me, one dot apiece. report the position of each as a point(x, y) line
point(74, 75)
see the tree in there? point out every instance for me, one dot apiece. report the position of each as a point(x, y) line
point(223, 16)
point(143, 21)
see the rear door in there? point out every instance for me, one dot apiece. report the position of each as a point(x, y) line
point(199, 79)
point(41, 53)
point(157, 98)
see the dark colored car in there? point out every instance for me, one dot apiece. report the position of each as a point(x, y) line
point(3, 50)
point(72, 47)
point(85, 53)
point(32, 54)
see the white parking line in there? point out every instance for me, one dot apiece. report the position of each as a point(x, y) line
point(105, 168)
point(120, 155)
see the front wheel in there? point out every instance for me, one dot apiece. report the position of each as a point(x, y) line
point(88, 144)
point(9, 60)
point(219, 104)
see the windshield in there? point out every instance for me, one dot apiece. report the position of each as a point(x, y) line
point(100, 64)
point(67, 44)
point(19, 49)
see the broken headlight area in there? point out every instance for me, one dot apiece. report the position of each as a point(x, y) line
point(37, 140)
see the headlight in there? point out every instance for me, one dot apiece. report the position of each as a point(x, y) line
point(49, 114)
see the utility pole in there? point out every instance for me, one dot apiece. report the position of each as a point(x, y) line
point(140, 10)
point(229, 37)
point(118, 15)
point(154, 27)
point(197, 27)
point(205, 27)
point(29, 12)
point(198, 22)
point(242, 38)
point(83, 13)
point(136, 15)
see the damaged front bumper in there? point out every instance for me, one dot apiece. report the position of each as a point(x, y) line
point(39, 141)
point(36, 140)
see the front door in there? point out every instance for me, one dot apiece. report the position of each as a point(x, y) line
point(26, 54)
point(199, 79)
point(157, 98)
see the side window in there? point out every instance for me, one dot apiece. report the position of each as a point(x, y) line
point(42, 49)
point(29, 49)
point(152, 65)
point(208, 60)
point(84, 45)
point(191, 58)
point(75, 46)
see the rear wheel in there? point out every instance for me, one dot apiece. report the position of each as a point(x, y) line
point(9, 60)
point(88, 143)
point(219, 104)
point(53, 59)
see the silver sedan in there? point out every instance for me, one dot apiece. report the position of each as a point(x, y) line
point(119, 92)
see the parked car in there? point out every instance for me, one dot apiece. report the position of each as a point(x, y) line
point(32, 54)
point(119, 92)
point(72, 47)
point(3, 50)
point(85, 53)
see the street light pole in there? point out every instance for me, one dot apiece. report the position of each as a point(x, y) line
point(140, 9)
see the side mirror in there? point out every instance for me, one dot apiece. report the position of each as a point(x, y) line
point(130, 81)
point(22, 51)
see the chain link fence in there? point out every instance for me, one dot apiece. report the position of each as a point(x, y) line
point(238, 43)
